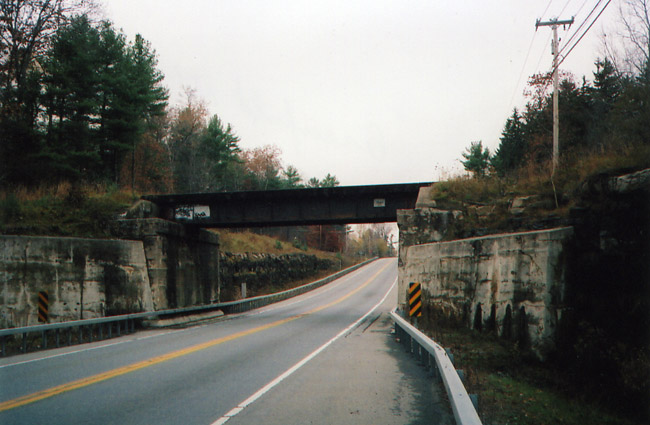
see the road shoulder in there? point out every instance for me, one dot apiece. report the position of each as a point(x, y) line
point(364, 377)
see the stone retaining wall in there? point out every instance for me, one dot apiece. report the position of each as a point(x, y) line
point(268, 271)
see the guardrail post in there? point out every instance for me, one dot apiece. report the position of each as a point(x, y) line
point(2, 342)
point(450, 355)
point(474, 398)
point(463, 406)
point(69, 336)
point(56, 337)
point(44, 339)
point(101, 331)
point(24, 343)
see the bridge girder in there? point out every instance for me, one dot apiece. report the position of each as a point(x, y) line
point(290, 207)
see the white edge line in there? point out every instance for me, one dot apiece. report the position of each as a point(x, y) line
point(67, 353)
point(222, 420)
point(260, 311)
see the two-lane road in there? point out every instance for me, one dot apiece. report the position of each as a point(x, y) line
point(250, 368)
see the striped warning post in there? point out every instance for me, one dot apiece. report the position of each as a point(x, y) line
point(415, 299)
point(43, 303)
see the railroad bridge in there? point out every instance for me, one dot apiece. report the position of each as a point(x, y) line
point(289, 207)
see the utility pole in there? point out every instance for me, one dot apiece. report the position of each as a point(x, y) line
point(553, 23)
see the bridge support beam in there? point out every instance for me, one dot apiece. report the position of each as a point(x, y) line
point(182, 262)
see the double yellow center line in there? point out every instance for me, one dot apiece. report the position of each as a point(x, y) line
point(84, 382)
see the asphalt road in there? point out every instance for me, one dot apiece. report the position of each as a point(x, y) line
point(325, 357)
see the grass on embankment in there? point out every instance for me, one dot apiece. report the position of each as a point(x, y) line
point(249, 242)
point(514, 388)
point(62, 210)
point(485, 201)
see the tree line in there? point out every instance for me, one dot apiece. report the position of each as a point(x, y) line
point(80, 102)
point(611, 113)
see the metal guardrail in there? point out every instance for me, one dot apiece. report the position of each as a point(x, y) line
point(257, 302)
point(126, 322)
point(429, 352)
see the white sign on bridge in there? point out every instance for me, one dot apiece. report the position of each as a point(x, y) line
point(191, 212)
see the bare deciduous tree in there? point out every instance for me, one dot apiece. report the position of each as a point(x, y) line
point(26, 29)
point(629, 46)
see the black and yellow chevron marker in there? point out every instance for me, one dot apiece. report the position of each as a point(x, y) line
point(415, 299)
point(43, 303)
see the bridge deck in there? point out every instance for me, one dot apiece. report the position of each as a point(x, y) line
point(288, 207)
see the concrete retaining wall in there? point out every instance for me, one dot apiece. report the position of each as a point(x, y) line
point(84, 278)
point(158, 265)
point(512, 282)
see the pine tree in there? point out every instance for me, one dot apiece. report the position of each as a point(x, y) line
point(477, 159)
point(512, 147)
point(219, 147)
point(73, 104)
point(99, 94)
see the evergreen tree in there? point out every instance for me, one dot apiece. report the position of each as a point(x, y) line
point(219, 146)
point(313, 182)
point(603, 96)
point(512, 147)
point(26, 31)
point(477, 159)
point(329, 181)
point(71, 83)
point(575, 114)
point(631, 113)
point(99, 94)
point(292, 177)
point(148, 97)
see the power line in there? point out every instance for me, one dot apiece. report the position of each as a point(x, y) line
point(547, 6)
point(564, 8)
point(580, 8)
point(581, 25)
point(521, 73)
point(583, 34)
point(543, 52)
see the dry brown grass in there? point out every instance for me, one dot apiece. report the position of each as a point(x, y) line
point(535, 178)
point(554, 198)
point(62, 209)
point(63, 190)
point(25, 194)
point(241, 242)
point(248, 242)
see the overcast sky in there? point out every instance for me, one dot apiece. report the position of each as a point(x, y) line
point(371, 91)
